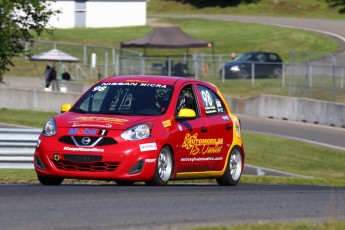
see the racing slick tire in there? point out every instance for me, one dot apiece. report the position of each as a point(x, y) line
point(45, 180)
point(233, 169)
point(164, 168)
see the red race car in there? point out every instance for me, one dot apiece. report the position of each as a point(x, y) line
point(143, 128)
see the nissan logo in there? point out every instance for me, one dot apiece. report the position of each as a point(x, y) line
point(85, 140)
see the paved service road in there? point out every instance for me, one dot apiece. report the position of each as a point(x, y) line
point(327, 136)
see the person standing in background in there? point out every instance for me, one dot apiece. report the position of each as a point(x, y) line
point(47, 75)
point(53, 79)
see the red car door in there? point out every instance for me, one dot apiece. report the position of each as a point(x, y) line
point(219, 128)
point(191, 134)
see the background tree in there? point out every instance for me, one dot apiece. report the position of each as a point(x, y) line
point(20, 20)
point(337, 3)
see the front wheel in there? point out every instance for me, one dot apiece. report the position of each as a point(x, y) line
point(277, 73)
point(233, 169)
point(45, 180)
point(164, 168)
point(243, 74)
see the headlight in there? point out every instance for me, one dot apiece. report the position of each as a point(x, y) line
point(138, 132)
point(50, 128)
point(235, 68)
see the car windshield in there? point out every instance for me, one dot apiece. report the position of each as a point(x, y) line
point(244, 57)
point(125, 99)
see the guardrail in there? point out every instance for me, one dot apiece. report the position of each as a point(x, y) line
point(17, 147)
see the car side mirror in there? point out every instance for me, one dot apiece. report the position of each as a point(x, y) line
point(186, 114)
point(65, 108)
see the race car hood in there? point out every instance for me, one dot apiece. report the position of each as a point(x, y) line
point(116, 122)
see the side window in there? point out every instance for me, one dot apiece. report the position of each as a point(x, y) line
point(261, 57)
point(212, 103)
point(187, 99)
point(274, 58)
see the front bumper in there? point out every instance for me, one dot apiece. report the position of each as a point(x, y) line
point(125, 161)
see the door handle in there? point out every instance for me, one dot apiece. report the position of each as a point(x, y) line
point(228, 127)
point(204, 129)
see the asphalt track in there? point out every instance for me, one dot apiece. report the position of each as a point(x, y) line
point(170, 207)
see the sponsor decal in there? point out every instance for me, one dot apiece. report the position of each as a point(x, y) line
point(192, 159)
point(121, 83)
point(80, 131)
point(237, 128)
point(109, 120)
point(202, 146)
point(82, 149)
point(166, 123)
point(140, 81)
point(75, 124)
point(140, 84)
point(148, 147)
point(152, 160)
point(219, 106)
point(153, 85)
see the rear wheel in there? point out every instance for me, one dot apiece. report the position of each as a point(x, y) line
point(45, 180)
point(164, 168)
point(233, 169)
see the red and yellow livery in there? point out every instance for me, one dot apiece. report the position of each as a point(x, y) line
point(143, 128)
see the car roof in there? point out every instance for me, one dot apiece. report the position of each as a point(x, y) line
point(153, 79)
point(261, 52)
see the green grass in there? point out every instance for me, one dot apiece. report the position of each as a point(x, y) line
point(25, 117)
point(228, 37)
point(294, 156)
point(287, 8)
